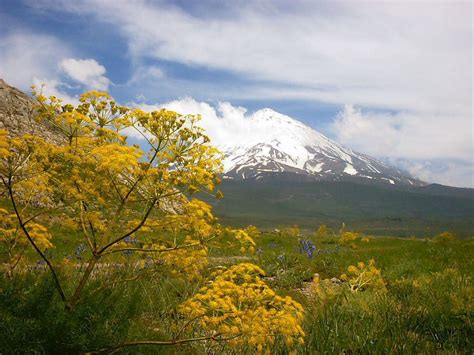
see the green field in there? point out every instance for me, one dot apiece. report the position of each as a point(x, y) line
point(426, 306)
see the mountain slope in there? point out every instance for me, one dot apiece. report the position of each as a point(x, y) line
point(18, 115)
point(278, 144)
point(379, 209)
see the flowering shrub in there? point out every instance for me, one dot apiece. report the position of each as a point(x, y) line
point(347, 237)
point(445, 237)
point(239, 306)
point(188, 263)
point(124, 204)
point(363, 276)
point(252, 231)
point(359, 278)
point(293, 231)
point(322, 232)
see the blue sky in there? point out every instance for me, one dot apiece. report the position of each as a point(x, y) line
point(392, 79)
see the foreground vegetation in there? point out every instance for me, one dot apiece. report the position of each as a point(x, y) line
point(424, 305)
point(104, 249)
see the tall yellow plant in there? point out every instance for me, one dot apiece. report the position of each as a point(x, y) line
point(112, 192)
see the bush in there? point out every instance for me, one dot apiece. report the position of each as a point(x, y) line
point(445, 237)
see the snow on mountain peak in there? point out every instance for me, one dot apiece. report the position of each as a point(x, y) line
point(277, 143)
point(267, 142)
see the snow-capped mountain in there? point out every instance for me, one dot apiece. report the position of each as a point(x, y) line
point(279, 145)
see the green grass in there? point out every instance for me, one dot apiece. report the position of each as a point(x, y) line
point(428, 306)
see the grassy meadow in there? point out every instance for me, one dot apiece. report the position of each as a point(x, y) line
point(424, 304)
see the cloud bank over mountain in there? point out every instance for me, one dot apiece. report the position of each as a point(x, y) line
point(398, 139)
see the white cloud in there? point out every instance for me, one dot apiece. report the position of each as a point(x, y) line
point(452, 172)
point(36, 59)
point(87, 72)
point(405, 134)
point(414, 58)
point(224, 123)
point(25, 57)
point(54, 87)
point(436, 147)
point(146, 73)
point(401, 55)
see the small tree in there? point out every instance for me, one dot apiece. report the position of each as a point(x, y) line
point(118, 198)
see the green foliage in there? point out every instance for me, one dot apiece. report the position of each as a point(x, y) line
point(34, 319)
point(427, 306)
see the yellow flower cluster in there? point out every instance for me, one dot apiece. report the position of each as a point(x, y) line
point(240, 307)
point(445, 237)
point(252, 231)
point(348, 237)
point(364, 276)
point(22, 160)
point(187, 263)
point(14, 242)
point(322, 232)
point(10, 233)
point(246, 241)
point(292, 231)
point(4, 145)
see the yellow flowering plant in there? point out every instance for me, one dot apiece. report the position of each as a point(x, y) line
point(239, 306)
point(362, 276)
point(347, 237)
point(119, 199)
point(14, 243)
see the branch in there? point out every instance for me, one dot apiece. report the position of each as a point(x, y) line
point(151, 250)
point(143, 250)
point(127, 195)
point(142, 222)
point(84, 229)
point(117, 282)
point(84, 279)
point(45, 211)
point(30, 239)
point(165, 342)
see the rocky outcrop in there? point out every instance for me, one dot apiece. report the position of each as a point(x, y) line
point(18, 115)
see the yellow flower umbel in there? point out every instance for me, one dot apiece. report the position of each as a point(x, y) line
point(239, 306)
point(186, 263)
point(363, 276)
